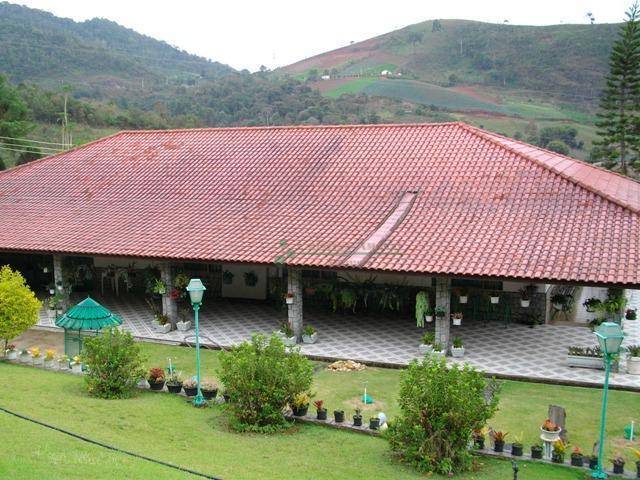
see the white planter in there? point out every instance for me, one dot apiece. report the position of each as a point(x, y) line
point(313, 338)
point(76, 368)
point(425, 348)
point(525, 303)
point(438, 354)
point(457, 352)
point(547, 436)
point(585, 362)
point(289, 341)
point(12, 355)
point(52, 291)
point(464, 298)
point(166, 328)
point(428, 318)
point(37, 362)
point(495, 300)
point(558, 306)
point(63, 365)
point(456, 322)
point(51, 314)
point(50, 364)
point(183, 326)
point(633, 365)
point(25, 358)
point(289, 300)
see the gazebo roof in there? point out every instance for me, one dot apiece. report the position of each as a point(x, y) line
point(88, 315)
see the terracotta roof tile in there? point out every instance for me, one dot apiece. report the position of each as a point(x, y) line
point(484, 205)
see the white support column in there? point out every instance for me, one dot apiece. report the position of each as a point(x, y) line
point(295, 317)
point(58, 280)
point(443, 299)
point(169, 305)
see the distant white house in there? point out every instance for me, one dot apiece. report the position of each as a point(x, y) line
point(385, 73)
point(326, 77)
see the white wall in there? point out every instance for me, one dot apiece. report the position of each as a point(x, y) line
point(581, 314)
point(238, 289)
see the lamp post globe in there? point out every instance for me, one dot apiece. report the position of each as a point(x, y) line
point(196, 291)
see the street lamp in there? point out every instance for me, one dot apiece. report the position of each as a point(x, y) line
point(610, 336)
point(196, 290)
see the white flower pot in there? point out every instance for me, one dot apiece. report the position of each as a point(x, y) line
point(52, 291)
point(464, 298)
point(12, 355)
point(440, 354)
point(428, 318)
point(495, 300)
point(547, 436)
point(166, 328)
point(456, 322)
point(37, 361)
point(633, 365)
point(51, 314)
point(525, 303)
point(183, 326)
point(457, 352)
point(289, 300)
point(585, 362)
point(25, 358)
point(313, 338)
point(289, 341)
point(76, 368)
point(49, 364)
point(425, 348)
point(63, 365)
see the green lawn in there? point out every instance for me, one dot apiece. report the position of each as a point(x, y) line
point(166, 427)
point(352, 87)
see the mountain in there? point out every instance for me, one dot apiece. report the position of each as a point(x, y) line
point(98, 57)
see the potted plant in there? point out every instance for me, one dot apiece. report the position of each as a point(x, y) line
point(300, 404)
point(159, 287)
point(52, 289)
point(288, 298)
point(440, 311)
point(63, 362)
point(36, 357)
point(618, 464)
point(585, 357)
point(209, 389)
point(457, 349)
point(630, 314)
point(494, 297)
point(11, 353)
point(536, 451)
point(633, 359)
point(183, 325)
point(456, 319)
point(559, 301)
point(174, 383)
point(227, 277)
point(577, 458)
point(557, 454)
point(190, 387)
point(374, 423)
point(550, 432)
point(427, 343)
point(463, 295)
point(498, 440)
point(422, 304)
point(593, 462)
point(338, 416)
point(309, 334)
point(76, 364)
point(250, 278)
point(428, 314)
point(155, 377)
point(321, 411)
point(163, 323)
point(525, 298)
point(49, 358)
point(357, 418)
point(24, 356)
point(517, 447)
point(51, 308)
point(438, 350)
point(288, 338)
point(477, 436)
point(592, 304)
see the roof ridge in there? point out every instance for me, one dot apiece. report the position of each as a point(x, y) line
point(490, 137)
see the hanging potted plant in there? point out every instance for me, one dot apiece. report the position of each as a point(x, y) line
point(427, 343)
point(464, 295)
point(288, 337)
point(494, 297)
point(321, 411)
point(559, 301)
point(159, 287)
point(457, 349)
point(209, 389)
point(557, 454)
point(498, 440)
point(174, 383)
point(577, 458)
point(36, 357)
point(550, 432)
point(357, 418)
point(190, 387)
point(52, 289)
point(63, 362)
point(525, 299)
point(422, 305)
point(11, 353)
point(456, 319)
point(338, 416)
point(536, 451)
point(630, 314)
point(250, 278)
point(155, 378)
point(300, 404)
point(289, 298)
point(633, 359)
point(76, 364)
point(592, 304)
point(49, 359)
point(227, 277)
point(309, 335)
point(440, 312)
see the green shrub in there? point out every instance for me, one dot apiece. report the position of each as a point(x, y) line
point(440, 408)
point(261, 379)
point(18, 305)
point(114, 364)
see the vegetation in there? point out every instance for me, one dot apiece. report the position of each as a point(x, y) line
point(440, 407)
point(261, 379)
point(114, 364)
point(18, 305)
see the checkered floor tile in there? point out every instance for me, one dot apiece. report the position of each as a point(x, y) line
point(511, 350)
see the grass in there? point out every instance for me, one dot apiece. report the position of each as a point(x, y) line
point(166, 427)
point(352, 87)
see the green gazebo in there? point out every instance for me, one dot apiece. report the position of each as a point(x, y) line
point(87, 318)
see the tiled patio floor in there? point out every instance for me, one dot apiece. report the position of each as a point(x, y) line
point(514, 350)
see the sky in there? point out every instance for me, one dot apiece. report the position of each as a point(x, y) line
point(247, 34)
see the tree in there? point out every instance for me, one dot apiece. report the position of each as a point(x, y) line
point(19, 306)
point(13, 112)
point(32, 154)
point(558, 146)
point(619, 118)
point(436, 26)
point(3, 166)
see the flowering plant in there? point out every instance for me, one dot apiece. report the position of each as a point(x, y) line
point(549, 426)
point(49, 354)
point(35, 352)
point(10, 348)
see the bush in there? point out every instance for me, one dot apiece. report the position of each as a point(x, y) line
point(261, 379)
point(114, 364)
point(18, 305)
point(440, 408)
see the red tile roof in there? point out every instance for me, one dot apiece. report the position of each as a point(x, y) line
point(332, 196)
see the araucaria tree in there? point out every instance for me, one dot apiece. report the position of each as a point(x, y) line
point(18, 305)
point(440, 408)
point(619, 118)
